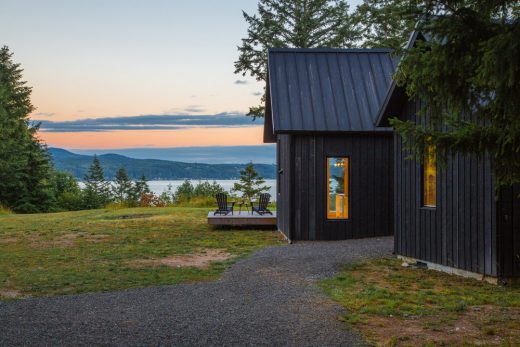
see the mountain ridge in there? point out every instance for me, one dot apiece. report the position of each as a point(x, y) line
point(153, 169)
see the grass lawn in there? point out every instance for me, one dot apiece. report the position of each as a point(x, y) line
point(100, 250)
point(396, 306)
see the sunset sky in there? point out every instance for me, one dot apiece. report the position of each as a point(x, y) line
point(126, 58)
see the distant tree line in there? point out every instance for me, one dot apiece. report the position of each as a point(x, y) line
point(250, 185)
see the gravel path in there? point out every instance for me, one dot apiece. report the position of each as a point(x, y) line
point(269, 298)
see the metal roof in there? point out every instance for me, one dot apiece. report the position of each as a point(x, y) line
point(327, 90)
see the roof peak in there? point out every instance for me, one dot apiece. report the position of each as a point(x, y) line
point(330, 50)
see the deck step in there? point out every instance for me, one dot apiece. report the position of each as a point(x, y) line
point(242, 219)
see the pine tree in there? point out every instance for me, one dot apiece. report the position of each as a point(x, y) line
point(386, 23)
point(292, 23)
point(466, 71)
point(184, 192)
point(251, 183)
point(25, 167)
point(140, 187)
point(97, 189)
point(122, 188)
point(67, 192)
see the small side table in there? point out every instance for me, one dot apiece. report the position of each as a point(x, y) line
point(242, 204)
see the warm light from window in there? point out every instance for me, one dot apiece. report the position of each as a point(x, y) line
point(337, 188)
point(429, 179)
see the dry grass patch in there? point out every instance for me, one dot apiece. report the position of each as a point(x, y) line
point(7, 240)
point(9, 294)
point(395, 306)
point(97, 238)
point(201, 259)
point(37, 241)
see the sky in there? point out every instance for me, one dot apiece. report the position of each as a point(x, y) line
point(103, 70)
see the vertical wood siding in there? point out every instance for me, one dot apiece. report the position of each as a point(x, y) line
point(461, 231)
point(370, 193)
point(508, 216)
point(283, 198)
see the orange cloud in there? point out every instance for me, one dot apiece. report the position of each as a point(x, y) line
point(155, 138)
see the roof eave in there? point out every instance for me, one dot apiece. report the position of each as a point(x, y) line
point(396, 95)
point(269, 132)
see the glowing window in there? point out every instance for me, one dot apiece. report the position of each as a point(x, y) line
point(337, 188)
point(429, 179)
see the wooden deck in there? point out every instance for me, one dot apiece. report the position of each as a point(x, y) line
point(242, 219)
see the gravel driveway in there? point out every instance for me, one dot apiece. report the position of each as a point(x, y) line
point(270, 298)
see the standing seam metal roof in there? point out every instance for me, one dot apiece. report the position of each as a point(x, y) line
point(327, 90)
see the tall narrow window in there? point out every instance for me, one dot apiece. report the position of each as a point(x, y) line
point(429, 179)
point(337, 188)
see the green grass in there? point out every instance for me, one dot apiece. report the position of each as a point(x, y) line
point(92, 251)
point(424, 306)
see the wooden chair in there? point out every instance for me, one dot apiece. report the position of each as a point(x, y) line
point(223, 207)
point(262, 209)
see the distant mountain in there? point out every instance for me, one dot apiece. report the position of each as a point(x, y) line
point(264, 154)
point(153, 169)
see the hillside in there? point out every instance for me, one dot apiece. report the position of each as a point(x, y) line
point(153, 169)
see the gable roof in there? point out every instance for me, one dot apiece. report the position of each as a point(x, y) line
point(326, 90)
point(396, 95)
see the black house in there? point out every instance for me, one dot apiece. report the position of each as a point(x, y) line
point(451, 218)
point(335, 167)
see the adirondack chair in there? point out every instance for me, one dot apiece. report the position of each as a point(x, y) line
point(262, 209)
point(223, 207)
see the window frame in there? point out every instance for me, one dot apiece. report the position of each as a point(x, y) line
point(426, 160)
point(327, 188)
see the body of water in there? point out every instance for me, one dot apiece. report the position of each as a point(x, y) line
point(158, 187)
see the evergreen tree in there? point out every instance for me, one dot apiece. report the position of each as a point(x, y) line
point(207, 190)
point(123, 186)
point(140, 187)
point(67, 192)
point(25, 167)
point(251, 183)
point(184, 192)
point(291, 23)
point(466, 71)
point(386, 23)
point(97, 189)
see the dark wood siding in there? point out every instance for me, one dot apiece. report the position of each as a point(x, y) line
point(283, 198)
point(370, 191)
point(508, 216)
point(461, 231)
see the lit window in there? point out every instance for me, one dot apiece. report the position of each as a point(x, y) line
point(337, 188)
point(429, 179)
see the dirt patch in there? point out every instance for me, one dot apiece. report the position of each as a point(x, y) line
point(200, 259)
point(10, 293)
point(98, 238)
point(64, 241)
point(133, 216)
point(61, 241)
point(482, 325)
point(8, 240)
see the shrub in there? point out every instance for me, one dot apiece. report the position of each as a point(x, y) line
point(5, 210)
point(168, 196)
point(150, 200)
point(201, 195)
point(70, 201)
point(184, 192)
